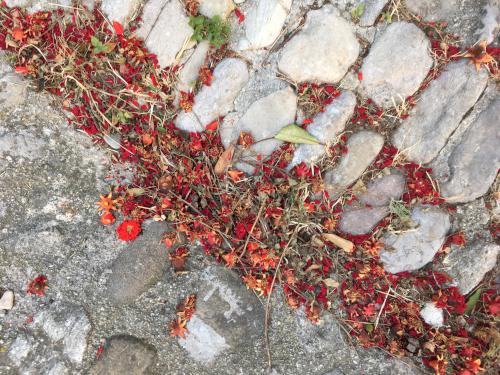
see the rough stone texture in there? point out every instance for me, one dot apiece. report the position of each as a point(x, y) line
point(215, 100)
point(125, 355)
point(211, 8)
point(165, 29)
point(263, 23)
point(413, 249)
point(326, 127)
point(12, 87)
point(439, 111)
point(362, 220)
point(432, 315)
point(468, 265)
point(227, 314)
point(140, 265)
point(327, 59)
point(120, 10)
point(362, 148)
point(388, 80)
point(190, 71)
point(473, 163)
point(466, 18)
point(382, 190)
point(372, 11)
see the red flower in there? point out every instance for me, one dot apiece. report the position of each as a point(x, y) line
point(37, 286)
point(128, 230)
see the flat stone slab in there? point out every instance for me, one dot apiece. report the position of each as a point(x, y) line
point(263, 23)
point(215, 100)
point(120, 10)
point(125, 355)
point(382, 190)
point(139, 266)
point(362, 220)
point(475, 161)
point(413, 249)
point(362, 149)
point(227, 316)
point(439, 111)
point(325, 127)
point(211, 8)
point(388, 80)
point(468, 265)
point(371, 12)
point(191, 68)
point(165, 29)
point(323, 50)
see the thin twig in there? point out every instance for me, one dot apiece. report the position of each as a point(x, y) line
point(251, 231)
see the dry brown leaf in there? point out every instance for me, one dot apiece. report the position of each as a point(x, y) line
point(224, 161)
point(331, 283)
point(479, 55)
point(344, 244)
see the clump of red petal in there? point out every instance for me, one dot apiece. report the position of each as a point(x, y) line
point(185, 310)
point(129, 230)
point(37, 286)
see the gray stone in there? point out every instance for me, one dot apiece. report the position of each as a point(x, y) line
point(413, 249)
point(474, 162)
point(382, 190)
point(120, 10)
point(362, 149)
point(326, 127)
point(468, 265)
point(139, 266)
point(191, 68)
point(125, 355)
point(12, 87)
point(362, 220)
point(323, 50)
point(215, 100)
point(65, 324)
point(432, 315)
point(263, 23)
point(388, 80)
point(227, 316)
point(165, 29)
point(372, 11)
point(439, 111)
point(490, 21)
point(211, 8)
point(263, 120)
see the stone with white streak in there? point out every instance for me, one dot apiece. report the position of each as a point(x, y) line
point(397, 64)
point(468, 265)
point(432, 315)
point(165, 29)
point(211, 8)
point(7, 300)
point(439, 111)
point(326, 127)
point(263, 23)
point(323, 50)
point(362, 149)
point(413, 249)
point(120, 10)
point(215, 100)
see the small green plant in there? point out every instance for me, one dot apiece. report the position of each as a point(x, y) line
point(100, 46)
point(357, 12)
point(387, 16)
point(400, 210)
point(215, 30)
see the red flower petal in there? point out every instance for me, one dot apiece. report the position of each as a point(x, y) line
point(118, 28)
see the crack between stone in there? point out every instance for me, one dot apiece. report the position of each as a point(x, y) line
point(156, 19)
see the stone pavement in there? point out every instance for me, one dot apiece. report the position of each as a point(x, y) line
point(104, 293)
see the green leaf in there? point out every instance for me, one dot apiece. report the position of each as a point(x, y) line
point(472, 301)
point(358, 11)
point(295, 134)
point(95, 42)
point(368, 327)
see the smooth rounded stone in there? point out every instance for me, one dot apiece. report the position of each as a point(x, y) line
point(211, 8)
point(372, 11)
point(228, 316)
point(439, 111)
point(322, 51)
point(326, 127)
point(215, 100)
point(120, 10)
point(413, 249)
point(140, 265)
point(362, 220)
point(191, 69)
point(125, 355)
point(362, 149)
point(475, 161)
point(382, 190)
point(263, 23)
point(7, 300)
point(468, 265)
point(389, 80)
point(432, 315)
point(66, 325)
point(263, 120)
point(166, 30)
